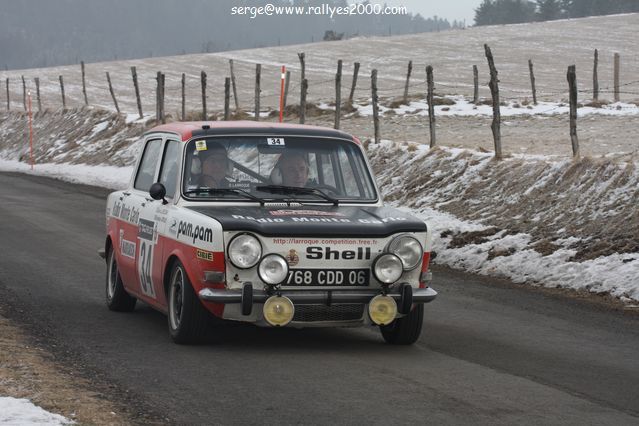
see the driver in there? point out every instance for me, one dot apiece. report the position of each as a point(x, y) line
point(214, 165)
point(294, 169)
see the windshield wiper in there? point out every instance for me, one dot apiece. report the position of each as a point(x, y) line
point(225, 191)
point(297, 190)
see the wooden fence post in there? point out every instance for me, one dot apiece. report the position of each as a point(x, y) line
point(431, 106)
point(37, 83)
point(227, 98)
point(84, 84)
point(301, 56)
point(64, 101)
point(475, 85)
point(162, 110)
point(203, 84)
point(532, 81)
point(303, 101)
point(410, 70)
point(595, 78)
point(572, 85)
point(134, 74)
point(338, 93)
point(355, 72)
point(183, 96)
point(237, 103)
point(157, 97)
point(494, 91)
point(24, 93)
point(616, 82)
point(286, 84)
point(8, 99)
point(375, 106)
point(115, 101)
point(258, 75)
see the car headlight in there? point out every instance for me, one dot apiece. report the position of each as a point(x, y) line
point(408, 249)
point(278, 310)
point(388, 268)
point(382, 310)
point(273, 269)
point(244, 251)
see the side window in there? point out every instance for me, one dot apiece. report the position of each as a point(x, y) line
point(146, 172)
point(169, 168)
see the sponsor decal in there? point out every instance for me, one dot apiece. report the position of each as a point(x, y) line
point(126, 213)
point(200, 146)
point(127, 248)
point(204, 255)
point(160, 215)
point(303, 213)
point(240, 185)
point(146, 229)
point(292, 258)
point(259, 220)
point(197, 232)
point(331, 242)
point(326, 253)
point(173, 227)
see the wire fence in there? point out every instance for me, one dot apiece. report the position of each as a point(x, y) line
point(391, 93)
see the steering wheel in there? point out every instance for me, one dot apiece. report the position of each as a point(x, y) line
point(327, 188)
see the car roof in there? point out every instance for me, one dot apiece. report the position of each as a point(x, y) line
point(188, 129)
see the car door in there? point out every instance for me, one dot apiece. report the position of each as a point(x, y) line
point(153, 227)
point(143, 235)
point(127, 210)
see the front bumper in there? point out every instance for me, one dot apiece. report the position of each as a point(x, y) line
point(312, 297)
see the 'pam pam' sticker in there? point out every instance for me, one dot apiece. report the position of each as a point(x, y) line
point(275, 141)
point(200, 145)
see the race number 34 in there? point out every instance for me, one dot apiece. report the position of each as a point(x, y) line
point(145, 266)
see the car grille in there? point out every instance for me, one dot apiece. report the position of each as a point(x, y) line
point(314, 313)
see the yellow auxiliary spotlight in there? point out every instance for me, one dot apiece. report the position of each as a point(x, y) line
point(382, 309)
point(278, 310)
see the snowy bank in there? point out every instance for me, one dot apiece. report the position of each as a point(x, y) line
point(21, 412)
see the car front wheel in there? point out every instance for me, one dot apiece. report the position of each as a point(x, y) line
point(117, 299)
point(188, 318)
point(406, 330)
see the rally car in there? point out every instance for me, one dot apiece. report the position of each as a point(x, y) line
point(272, 224)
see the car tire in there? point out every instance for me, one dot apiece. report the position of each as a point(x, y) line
point(406, 330)
point(117, 298)
point(188, 318)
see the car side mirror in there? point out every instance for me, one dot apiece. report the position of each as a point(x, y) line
point(158, 192)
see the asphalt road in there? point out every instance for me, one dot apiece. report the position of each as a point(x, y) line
point(489, 354)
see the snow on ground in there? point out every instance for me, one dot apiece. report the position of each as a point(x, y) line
point(459, 106)
point(104, 176)
point(21, 412)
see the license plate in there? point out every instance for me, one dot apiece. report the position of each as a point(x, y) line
point(328, 277)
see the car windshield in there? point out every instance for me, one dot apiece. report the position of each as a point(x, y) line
point(305, 169)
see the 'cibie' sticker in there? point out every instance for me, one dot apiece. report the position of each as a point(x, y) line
point(275, 141)
point(200, 145)
point(205, 255)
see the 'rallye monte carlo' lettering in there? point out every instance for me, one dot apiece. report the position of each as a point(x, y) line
point(272, 224)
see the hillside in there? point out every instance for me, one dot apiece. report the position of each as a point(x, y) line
point(538, 217)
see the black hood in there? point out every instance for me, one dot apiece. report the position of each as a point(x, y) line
point(315, 221)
